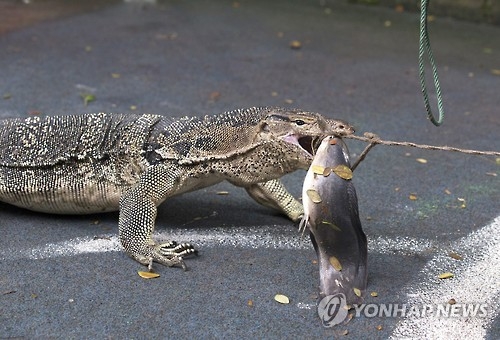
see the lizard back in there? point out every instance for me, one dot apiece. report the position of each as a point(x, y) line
point(191, 139)
point(47, 141)
point(72, 164)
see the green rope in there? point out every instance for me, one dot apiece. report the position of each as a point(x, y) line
point(425, 46)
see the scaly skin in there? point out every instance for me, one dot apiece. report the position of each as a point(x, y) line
point(132, 163)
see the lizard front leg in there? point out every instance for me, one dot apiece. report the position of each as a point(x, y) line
point(138, 207)
point(273, 194)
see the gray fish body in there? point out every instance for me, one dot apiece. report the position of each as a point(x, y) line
point(331, 214)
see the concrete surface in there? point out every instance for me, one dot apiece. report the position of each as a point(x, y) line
point(66, 277)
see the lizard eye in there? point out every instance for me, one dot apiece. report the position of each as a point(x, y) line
point(299, 122)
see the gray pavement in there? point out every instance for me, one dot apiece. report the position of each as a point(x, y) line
point(65, 276)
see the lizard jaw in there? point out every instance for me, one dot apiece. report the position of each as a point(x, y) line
point(308, 144)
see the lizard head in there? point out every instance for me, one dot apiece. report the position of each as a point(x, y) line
point(300, 131)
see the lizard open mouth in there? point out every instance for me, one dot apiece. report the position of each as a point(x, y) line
point(309, 144)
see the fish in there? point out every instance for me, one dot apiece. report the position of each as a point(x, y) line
point(331, 215)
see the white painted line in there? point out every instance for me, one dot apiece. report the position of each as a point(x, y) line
point(261, 237)
point(477, 276)
point(477, 280)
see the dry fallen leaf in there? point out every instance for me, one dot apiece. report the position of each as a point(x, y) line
point(317, 169)
point(222, 192)
point(313, 195)
point(462, 200)
point(343, 171)
point(250, 303)
point(413, 197)
point(379, 327)
point(455, 256)
point(357, 291)
point(446, 275)
point(495, 72)
point(282, 298)
point(374, 294)
point(148, 275)
point(421, 160)
point(334, 226)
point(452, 301)
point(295, 45)
point(335, 263)
point(214, 96)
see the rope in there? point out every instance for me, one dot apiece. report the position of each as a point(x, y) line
point(425, 46)
point(374, 139)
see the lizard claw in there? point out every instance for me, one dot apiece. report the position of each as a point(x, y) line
point(169, 254)
point(174, 249)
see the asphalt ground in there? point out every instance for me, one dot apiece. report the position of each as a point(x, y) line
point(66, 276)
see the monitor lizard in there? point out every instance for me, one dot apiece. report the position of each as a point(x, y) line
point(99, 162)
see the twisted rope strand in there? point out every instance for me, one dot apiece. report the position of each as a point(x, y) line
point(425, 46)
point(374, 139)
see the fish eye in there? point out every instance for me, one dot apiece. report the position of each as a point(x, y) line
point(299, 122)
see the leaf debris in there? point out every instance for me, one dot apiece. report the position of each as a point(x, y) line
point(455, 256)
point(282, 299)
point(318, 169)
point(446, 275)
point(87, 98)
point(335, 263)
point(333, 225)
point(148, 275)
point(343, 171)
point(313, 195)
point(295, 45)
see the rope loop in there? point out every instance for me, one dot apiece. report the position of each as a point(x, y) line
point(425, 47)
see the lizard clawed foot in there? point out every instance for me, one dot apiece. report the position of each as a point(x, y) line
point(174, 249)
point(169, 254)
